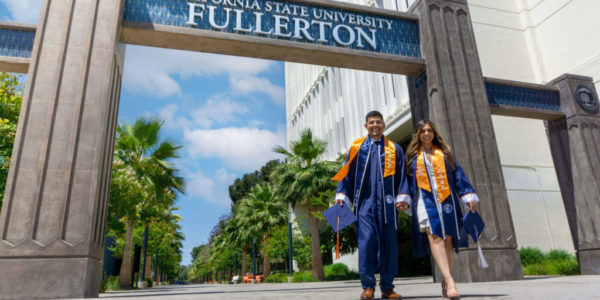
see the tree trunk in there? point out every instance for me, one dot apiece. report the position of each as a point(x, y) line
point(244, 266)
point(317, 262)
point(125, 272)
point(266, 260)
point(148, 270)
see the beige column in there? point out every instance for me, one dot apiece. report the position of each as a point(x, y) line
point(53, 216)
point(575, 146)
point(455, 99)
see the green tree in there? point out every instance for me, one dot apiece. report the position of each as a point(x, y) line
point(262, 211)
point(11, 95)
point(242, 186)
point(306, 180)
point(142, 170)
point(238, 236)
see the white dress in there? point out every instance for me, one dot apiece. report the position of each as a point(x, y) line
point(422, 215)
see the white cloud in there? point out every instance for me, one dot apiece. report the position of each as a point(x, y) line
point(246, 84)
point(244, 149)
point(27, 11)
point(213, 189)
point(224, 176)
point(216, 110)
point(255, 123)
point(151, 70)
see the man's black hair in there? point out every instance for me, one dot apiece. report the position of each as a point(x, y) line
point(373, 113)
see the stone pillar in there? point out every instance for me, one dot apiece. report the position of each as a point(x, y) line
point(53, 216)
point(575, 147)
point(457, 103)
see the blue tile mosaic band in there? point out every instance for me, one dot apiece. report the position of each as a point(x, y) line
point(16, 43)
point(285, 20)
point(508, 95)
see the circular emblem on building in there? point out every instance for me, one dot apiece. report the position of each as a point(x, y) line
point(447, 208)
point(585, 97)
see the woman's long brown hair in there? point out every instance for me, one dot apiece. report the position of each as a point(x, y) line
point(415, 144)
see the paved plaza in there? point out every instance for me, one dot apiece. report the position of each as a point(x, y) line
point(571, 287)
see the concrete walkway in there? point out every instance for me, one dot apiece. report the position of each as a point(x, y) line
point(571, 287)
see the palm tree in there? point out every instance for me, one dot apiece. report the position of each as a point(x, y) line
point(303, 180)
point(236, 235)
point(261, 211)
point(144, 157)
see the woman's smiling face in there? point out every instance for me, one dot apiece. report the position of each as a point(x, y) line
point(426, 135)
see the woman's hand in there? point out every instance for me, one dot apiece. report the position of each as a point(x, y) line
point(472, 205)
point(340, 202)
point(402, 205)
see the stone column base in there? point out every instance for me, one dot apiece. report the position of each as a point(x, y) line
point(589, 261)
point(503, 264)
point(142, 284)
point(50, 278)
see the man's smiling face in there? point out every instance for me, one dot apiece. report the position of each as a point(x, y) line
point(375, 127)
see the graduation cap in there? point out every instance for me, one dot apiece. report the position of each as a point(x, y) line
point(474, 227)
point(339, 217)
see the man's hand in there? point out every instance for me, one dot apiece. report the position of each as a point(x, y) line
point(340, 202)
point(402, 205)
point(472, 205)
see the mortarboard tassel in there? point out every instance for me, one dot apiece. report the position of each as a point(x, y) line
point(482, 261)
point(337, 243)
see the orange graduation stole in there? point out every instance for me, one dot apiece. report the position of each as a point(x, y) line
point(390, 158)
point(439, 169)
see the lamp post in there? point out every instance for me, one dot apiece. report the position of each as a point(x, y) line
point(235, 264)
point(290, 252)
point(142, 279)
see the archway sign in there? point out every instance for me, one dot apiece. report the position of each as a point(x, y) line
point(54, 212)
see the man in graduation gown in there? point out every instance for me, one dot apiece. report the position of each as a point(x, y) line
point(374, 183)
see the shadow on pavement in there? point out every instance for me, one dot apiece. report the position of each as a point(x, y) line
point(126, 295)
point(476, 296)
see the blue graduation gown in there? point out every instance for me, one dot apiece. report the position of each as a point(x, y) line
point(374, 199)
point(460, 187)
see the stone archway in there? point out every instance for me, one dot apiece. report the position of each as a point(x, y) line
point(53, 218)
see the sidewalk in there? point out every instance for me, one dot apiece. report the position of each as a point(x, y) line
point(571, 287)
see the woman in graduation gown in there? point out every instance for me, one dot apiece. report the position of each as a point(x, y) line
point(438, 185)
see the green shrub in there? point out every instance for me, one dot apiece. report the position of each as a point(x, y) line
point(555, 262)
point(564, 267)
point(559, 254)
point(338, 271)
point(149, 281)
point(531, 255)
point(303, 276)
point(277, 278)
point(112, 283)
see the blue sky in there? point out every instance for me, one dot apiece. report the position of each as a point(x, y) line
point(227, 112)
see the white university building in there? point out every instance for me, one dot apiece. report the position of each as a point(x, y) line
point(526, 40)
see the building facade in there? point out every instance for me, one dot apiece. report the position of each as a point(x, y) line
point(527, 40)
